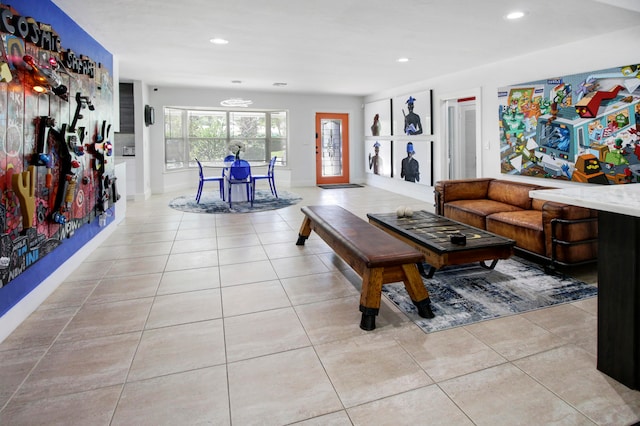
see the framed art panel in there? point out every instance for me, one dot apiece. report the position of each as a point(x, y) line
point(583, 128)
point(412, 114)
point(412, 161)
point(378, 157)
point(377, 118)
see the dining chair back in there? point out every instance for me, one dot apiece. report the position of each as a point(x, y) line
point(204, 179)
point(269, 177)
point(240, 174)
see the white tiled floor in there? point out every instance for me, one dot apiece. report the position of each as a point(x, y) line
point(183, 319)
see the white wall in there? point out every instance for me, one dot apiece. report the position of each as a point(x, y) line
point(616, 49)
point(301, 110)
point(143, 142)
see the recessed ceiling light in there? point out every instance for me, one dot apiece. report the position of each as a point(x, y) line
point(515, 15)
point(219, 41)
point(403, 59)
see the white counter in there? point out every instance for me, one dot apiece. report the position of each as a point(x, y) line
point(622, 199)
point(618, 273)
point(131, 175)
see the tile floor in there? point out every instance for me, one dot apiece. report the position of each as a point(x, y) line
point(184, 319)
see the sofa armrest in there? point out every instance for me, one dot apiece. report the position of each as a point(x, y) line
point(459, 189)
point(566, 224)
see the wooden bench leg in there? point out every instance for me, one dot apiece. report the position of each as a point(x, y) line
point(305, 231)
point(370, 297)
point(417, 291)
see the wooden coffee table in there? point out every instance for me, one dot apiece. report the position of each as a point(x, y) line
point(430, 233)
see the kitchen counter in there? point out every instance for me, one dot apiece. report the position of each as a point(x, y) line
point(622, 199)
point(618, 273)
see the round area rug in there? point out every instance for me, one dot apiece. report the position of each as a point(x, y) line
point(211, 203)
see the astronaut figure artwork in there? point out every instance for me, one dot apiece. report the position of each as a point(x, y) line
point(412, 125)
point(410, 170)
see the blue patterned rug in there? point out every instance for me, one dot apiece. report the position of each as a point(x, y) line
point(465, 294)
point(211, 203)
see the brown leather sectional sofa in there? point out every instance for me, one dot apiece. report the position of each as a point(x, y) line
point(558, 233)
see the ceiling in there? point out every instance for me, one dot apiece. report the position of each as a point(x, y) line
point(331, 46)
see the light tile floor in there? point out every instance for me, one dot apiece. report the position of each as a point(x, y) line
point(183, 319)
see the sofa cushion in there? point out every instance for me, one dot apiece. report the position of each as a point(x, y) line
point(537, 204)
point(463, 189)
point(474, 212)
point(524, 226)
point(513, 193)
point(570, 231)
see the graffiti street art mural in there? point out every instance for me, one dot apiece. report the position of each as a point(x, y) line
point(57, 174)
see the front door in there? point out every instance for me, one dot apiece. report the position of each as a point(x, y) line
point(332, 148)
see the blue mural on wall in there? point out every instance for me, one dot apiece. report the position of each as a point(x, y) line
point(57, 177)
point(73, 36)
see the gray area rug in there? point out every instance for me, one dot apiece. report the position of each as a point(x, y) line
point(465, 294)
point(211, 203)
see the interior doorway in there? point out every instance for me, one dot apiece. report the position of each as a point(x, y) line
point(460, 137)
point(332, 148)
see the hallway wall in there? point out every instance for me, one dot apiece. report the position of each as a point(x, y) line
point(549, 62)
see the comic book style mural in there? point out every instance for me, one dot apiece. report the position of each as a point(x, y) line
point(56, 168)
point(580, 128)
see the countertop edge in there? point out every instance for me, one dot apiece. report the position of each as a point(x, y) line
point(621, 199)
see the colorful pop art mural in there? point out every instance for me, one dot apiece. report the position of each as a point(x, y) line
point(580, 128)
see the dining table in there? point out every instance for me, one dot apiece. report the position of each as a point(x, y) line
point(239, 194)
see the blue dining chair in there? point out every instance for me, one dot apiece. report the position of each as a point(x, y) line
point(229, 158)
point(270, 178)
point(239, 174)
point(204, 179)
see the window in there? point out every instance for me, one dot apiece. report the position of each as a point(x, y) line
point(206, 135)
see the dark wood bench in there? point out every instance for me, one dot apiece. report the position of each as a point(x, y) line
point(376, 256)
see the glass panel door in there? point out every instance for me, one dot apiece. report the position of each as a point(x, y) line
point(332, 148)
